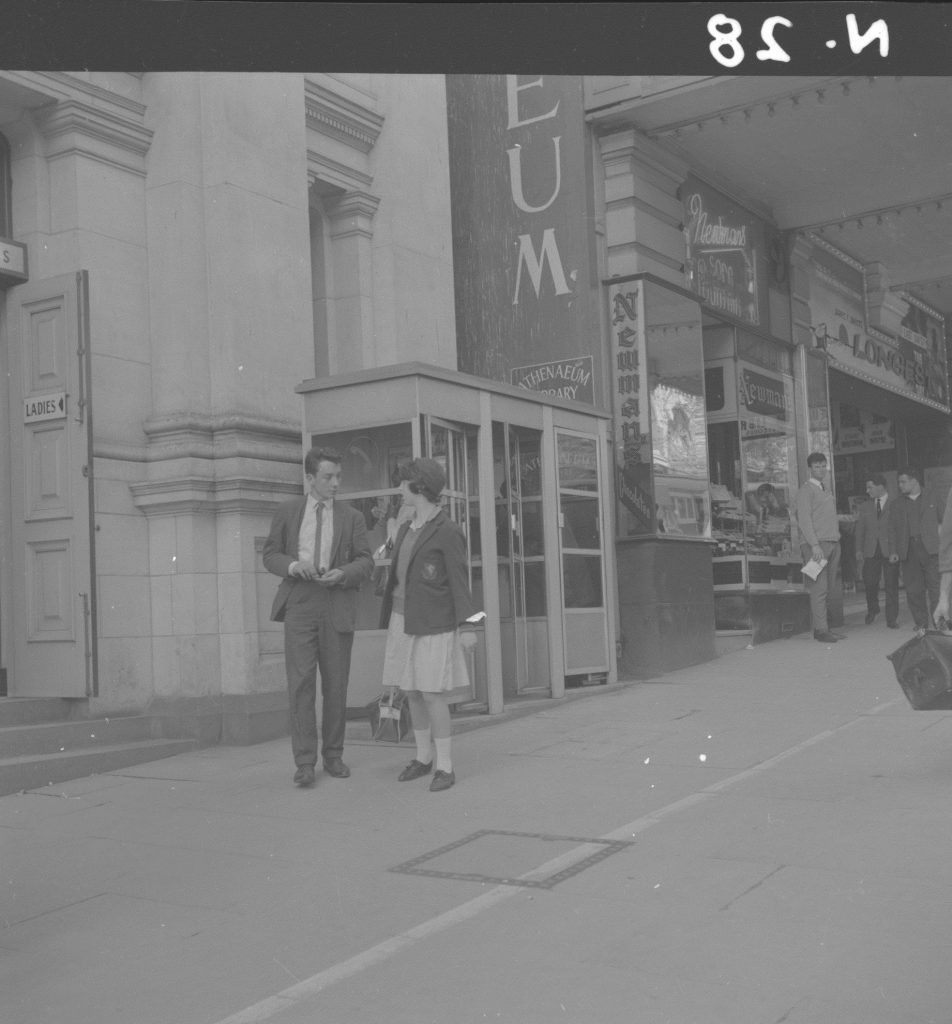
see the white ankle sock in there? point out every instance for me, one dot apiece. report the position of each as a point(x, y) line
point(422, 737)
point(444, 763)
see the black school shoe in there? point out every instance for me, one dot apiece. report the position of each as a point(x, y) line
point(415, 770)
point(442, 780)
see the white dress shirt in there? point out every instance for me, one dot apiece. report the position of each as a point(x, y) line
point(307, 536)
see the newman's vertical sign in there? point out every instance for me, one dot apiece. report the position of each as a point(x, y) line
point(522, 246)
point(634, 489)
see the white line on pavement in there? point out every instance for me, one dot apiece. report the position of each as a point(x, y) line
point(269, 1008)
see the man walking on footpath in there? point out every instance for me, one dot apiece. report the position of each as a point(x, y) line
point(941, 612)
point(915, 534)
point(819, 539)
point(319, 548)
point(873, 542)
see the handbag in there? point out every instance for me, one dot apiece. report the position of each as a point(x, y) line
point(923, 667)
point(389, 715)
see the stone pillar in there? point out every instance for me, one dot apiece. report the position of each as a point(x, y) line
point(643, 213)
point(231, 336)
point(350, 229)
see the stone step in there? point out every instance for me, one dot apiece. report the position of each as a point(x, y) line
point(63, 737)
point(34, 710)
point(35, 772)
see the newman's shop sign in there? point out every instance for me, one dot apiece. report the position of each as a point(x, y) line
point(764, 402)
point(725, 253)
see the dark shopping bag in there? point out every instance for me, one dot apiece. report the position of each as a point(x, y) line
point(924, 669)
point(389, 716)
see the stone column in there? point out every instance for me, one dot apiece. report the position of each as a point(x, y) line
point(231, 336)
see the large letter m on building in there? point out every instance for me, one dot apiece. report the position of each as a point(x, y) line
point(534, 264)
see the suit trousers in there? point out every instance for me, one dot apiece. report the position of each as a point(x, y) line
point(310, 643)
point(920, 573)
point(821, 588)
point(874, 567)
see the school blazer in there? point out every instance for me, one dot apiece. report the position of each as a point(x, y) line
point(350, 552)
point(438, 597)
point(872, 529)
point(931, 518)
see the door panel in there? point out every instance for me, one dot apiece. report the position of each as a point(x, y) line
point(50, 480)
point(585, 616)
point(450, 446)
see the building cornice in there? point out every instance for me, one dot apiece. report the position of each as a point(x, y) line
point(72, 126)
point(43, 87)
point(192, 435)
point(330, 114)
point(190, 495)
point(322, 168)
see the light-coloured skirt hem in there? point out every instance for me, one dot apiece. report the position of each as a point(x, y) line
point(431, 664)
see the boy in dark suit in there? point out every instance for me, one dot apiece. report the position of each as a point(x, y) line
point(320, 549)
point(874, 543)
point(915, 535)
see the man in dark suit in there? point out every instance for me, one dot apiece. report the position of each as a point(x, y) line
point(915, 536)
point(874, 543)
point(319, 548)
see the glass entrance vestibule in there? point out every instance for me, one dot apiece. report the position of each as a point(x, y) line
point(526, 481)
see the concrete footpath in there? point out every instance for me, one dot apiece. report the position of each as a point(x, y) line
point(762, 839)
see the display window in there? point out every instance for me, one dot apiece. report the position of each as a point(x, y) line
point(752, 439)
point(661, 456)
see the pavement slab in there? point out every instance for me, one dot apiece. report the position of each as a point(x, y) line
point(755, 840)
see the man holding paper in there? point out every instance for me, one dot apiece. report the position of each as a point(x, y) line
point(819, 544)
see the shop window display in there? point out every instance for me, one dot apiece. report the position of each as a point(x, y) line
point(662, 457)
point(752, 438)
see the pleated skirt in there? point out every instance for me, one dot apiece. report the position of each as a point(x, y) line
point(431, 664)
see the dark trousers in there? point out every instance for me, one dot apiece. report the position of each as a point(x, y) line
point(310, 643)
point(874, 567)
point(920, 572)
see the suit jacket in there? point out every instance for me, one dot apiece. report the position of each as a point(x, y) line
point(438, 597)
point(350, 552)
point(931, 518)
point(872, 529)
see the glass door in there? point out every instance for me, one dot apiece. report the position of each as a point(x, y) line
point(454, 448)
point(520, 553)
point(446, 444)
point(582, 555)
